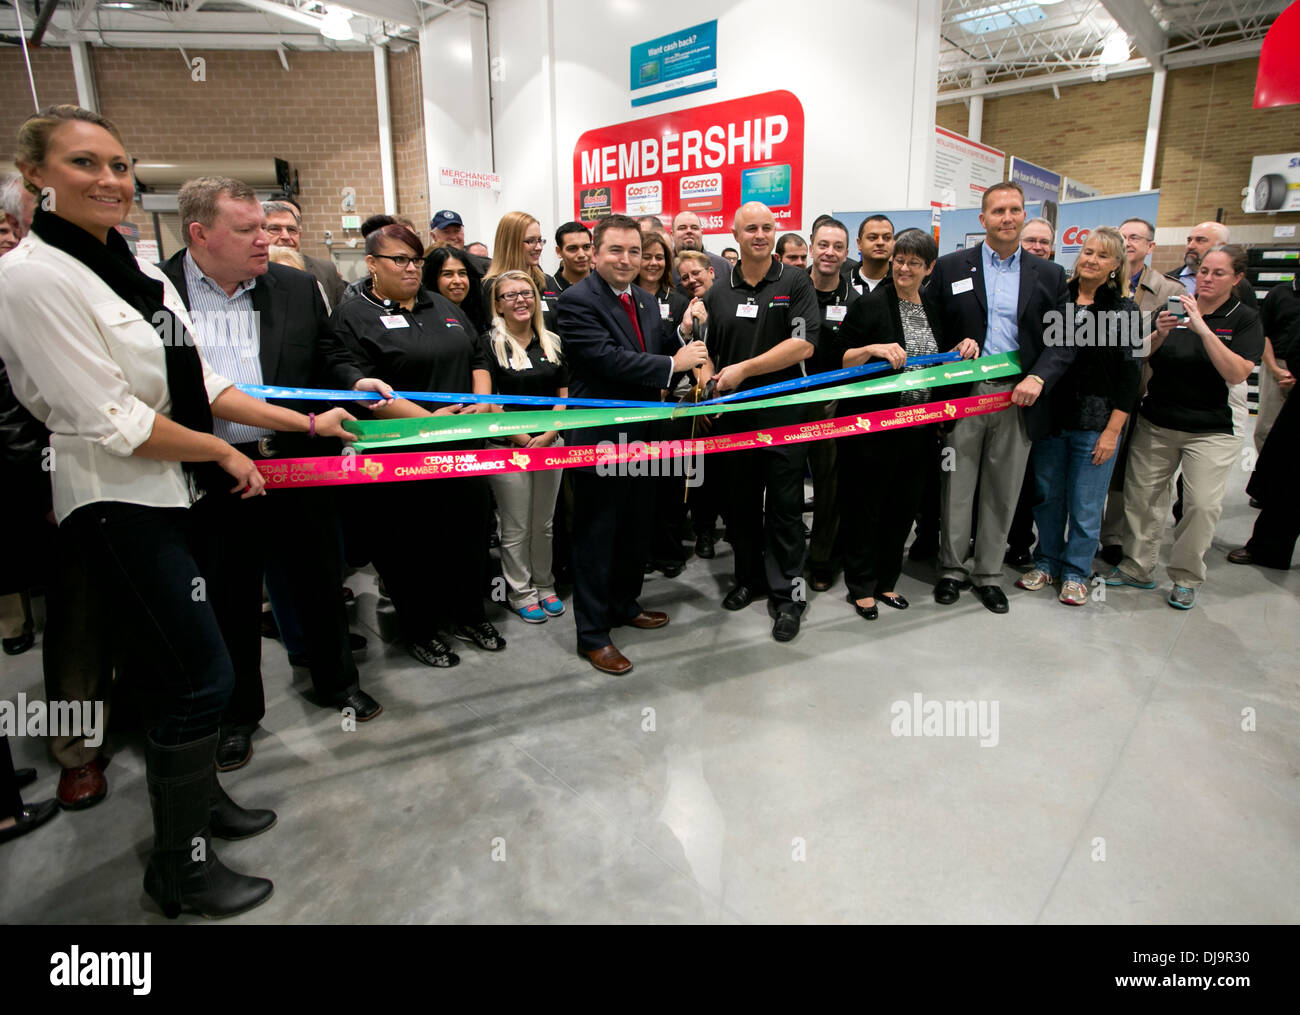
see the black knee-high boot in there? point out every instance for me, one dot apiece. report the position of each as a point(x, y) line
point(184, 872)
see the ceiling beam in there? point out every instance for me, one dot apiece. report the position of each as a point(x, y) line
point(1134, 17)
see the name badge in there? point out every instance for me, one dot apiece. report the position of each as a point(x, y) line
point(528, 365)
point(962, 285)
point(747, 310)
point(546, 306)
point(663, 310)
point(391, 321)
point(836, 313)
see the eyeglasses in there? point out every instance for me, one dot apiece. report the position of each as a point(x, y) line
point(401, 260)
point(516, 297)
point(535, 241)
point(1215, 274)
point(915, 264)
point(1137, 237)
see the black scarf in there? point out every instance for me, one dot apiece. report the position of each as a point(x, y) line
point(114, 263)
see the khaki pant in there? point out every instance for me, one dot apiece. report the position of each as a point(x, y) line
point(1271, 398)
point(1155, 456)
point(526, 507)
point(991, 450)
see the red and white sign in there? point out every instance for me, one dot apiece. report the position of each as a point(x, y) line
point(708, 160)
point(963, 170)
point(467, 180)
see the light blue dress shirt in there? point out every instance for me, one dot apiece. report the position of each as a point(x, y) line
point(226, 332)
point(1002, 291)
point(1188, 278)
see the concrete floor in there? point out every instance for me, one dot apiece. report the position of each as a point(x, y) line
point(730, 779)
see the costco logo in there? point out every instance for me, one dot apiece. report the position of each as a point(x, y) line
point(644, 198)
point(1074, 238)
point(708, 185)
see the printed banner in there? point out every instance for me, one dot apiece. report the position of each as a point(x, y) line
point(1076, 219)
point(1039, 184)
point(438, 429)
point(677, 64)
point(963, 170)
point(362, 470)
point(709, 160)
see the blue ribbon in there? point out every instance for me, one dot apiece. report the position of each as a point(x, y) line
point(796, 384)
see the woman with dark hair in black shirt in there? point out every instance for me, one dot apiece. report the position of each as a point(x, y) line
point(1072, 464)
point(451, 274)
point(881, 474)
point(430, 548)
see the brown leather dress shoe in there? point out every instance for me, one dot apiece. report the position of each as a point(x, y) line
point(1240, 556)
point(609, 660)
point(648, 620)
point(82, 787)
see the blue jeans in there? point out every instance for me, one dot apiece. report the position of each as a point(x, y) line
point(1070, 491)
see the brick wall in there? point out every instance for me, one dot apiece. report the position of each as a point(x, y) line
point(320, 115)
point(1096, 133)
point(52, 69)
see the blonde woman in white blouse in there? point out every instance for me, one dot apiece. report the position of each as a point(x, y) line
point(99, 349)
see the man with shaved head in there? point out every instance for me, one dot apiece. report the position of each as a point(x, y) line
point(763, 323)
point(1199, 241)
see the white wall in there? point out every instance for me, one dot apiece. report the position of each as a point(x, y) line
point(864, 70)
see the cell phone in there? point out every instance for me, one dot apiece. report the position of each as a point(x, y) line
point(1176, 307)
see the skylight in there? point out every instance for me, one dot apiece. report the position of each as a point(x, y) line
point(998, 17)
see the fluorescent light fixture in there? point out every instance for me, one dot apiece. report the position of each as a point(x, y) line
point(336, 24)
point(1115, 50)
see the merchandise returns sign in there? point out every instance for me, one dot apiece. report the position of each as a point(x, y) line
point(709, 160)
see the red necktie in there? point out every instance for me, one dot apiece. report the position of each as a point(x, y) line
point(626, 300)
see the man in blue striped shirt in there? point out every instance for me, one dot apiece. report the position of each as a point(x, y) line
point(262, 323)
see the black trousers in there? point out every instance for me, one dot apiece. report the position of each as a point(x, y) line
point(764, 496)
point(234, 540)
point(928, 511)
point(612, 518)
point(429, 542)
point(670, 497)
point(161, 617)
point(881, 480)
point(11, 801)
point(1276, 484)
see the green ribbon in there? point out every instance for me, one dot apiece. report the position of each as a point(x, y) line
point(440, 429)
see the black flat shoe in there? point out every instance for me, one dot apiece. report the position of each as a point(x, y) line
point(17, 646)
point(786, 626)
point(739, 597)
point(363, 706)
point(896, 602)
point(993, 598)
point(867, 612)
point(947, 591)
point(704, 548)
point(234, 749)
point(31, 817)
point(24, 777)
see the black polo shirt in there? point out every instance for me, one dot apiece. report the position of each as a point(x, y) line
point(834, 305)
point(540, 377)
point(1186, 392)
point(746, 321)
point(431, 347)
point(550, 292)
point(1280, 316)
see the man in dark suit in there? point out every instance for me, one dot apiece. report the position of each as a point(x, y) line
point(262, 323)
point(616, 347)
point(1000, 298)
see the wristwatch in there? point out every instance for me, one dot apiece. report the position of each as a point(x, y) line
point(1035, 377)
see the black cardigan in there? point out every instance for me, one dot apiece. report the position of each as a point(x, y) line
point(1102, 377)
point(876, 320)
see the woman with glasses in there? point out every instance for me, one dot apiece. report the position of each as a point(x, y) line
point(881, 474)
point(518, 247)
point(524, 358)
point(1090, 405)
point(451, 273)
point(1185, 421)
point(429, 541)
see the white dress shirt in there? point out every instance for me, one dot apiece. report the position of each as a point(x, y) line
point(92, 369)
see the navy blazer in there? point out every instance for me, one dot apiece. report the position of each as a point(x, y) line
point(604, 357)
point(296, 347)
point(965, 315)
